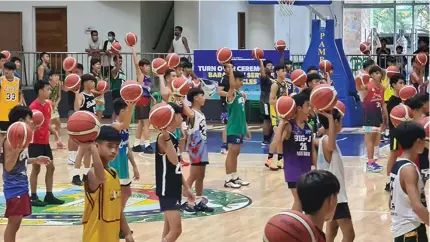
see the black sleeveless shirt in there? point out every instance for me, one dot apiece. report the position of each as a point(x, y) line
point(89, 103)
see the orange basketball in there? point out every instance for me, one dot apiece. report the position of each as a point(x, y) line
point(392, 70)
point(224, 55)
point(159, 66)
point(180, 86)
point(400, 113)
point(161, 115)
point(69, 63)
point(173, 60)
point(257, 53)
point(131, 91)
point(362, 78)
point(340, 107)
point(196, 83)
point(325, 66)
point(407, 92)
point(290, 226)
point(280, 45)
point(298, 77)
point(83, 126)
point(73, 82)
point(116, 47)
point(286, 107)
point(102, 86)
point(425, 122)
point(130, 39)
point(365, 48)
point(421, 59)
point(323, 97)
point(19, 135)
point(7, 54)
point(38, 118)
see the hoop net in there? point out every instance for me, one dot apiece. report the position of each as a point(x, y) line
point(286, 7)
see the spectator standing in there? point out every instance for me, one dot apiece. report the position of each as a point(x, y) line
point(107, 56)
point(17, 62)
point(402, 41)
point(94, 45)
point(401, 60)
point(117, 78)
point(179, 43)
point(43, 67)
point(382, 53)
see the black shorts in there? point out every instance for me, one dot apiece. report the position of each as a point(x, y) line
point(342, 211)
point(115, 94)
point(373, 119)
point(4, 125)
point(235, 139)
point(36, 150)
point(142, 112)
point(201, 163)
point(265, 110)
point(394, 144)
point(417, 235)
point(169, 203)
point(292, 185)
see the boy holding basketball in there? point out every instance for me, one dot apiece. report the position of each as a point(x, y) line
point(169, 178)
point(99, 96)
point(409, 214)
point(15, 179)
point(237, 128)
point(103, 217)
point(124, 113)
point(40, 146)
point(55, 98)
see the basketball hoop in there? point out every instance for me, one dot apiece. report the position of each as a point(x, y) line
point(286, 7)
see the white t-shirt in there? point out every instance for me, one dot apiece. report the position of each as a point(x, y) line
point(94, 45)
point(178, 46)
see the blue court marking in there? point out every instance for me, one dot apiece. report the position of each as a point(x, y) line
point(349, 144)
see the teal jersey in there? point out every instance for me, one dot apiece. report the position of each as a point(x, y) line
point(120, 163)
point(236, 115)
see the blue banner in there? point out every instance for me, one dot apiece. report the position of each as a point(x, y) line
point(207, 68)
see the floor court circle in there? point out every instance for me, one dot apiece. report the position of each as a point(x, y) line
point(142, 206)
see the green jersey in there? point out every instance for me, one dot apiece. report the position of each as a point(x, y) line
point(115, 83)
point(236, 115)
point(55, 93)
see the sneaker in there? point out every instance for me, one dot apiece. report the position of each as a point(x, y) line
point(188, 209)
point(148, 150)
point(280, 164)
point(231, 184)
point(84, 178)
point(38, 203)
point(241, 182)
point(271, 165)
point(375, 168)
point(223, 151)
point(70, 162)
point(184, 163)
point(76, 180)
point(53, 200)
point(201, 207)
point(387, 187)
point(137, 148)
point(265, 142)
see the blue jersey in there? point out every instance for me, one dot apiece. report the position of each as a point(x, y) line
point(120, 163)
point(291, 88)
point(146, 86)
point(15, 182)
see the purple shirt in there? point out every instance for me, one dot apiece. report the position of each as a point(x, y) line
point(146, 86)
point(297, 152)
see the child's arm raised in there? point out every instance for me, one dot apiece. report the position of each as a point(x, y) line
point(127, 118)
point(96, 175)
point(231, 94)
point(409, 181)
point(187, 110)
point(139, 74)
point(164, 90)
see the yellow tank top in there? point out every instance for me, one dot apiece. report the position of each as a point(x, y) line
point(102, 210)
point(388, 91)
point(9, 96)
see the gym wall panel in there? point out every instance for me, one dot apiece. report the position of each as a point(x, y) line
point(187, 16)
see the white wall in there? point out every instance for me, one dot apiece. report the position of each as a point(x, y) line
point(336, 9)
point(187, 16)
point(260, 28)
point(153, 15)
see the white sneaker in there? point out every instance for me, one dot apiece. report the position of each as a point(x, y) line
point(231, 184)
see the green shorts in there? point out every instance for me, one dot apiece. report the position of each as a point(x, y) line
point(100, 107)
point(55, 114)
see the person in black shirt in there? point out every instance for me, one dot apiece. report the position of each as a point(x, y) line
point(397, 81)
point(223, 87)
point(382, 53)
point(266, 81)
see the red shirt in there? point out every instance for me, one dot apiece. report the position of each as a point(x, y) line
point(41, 136)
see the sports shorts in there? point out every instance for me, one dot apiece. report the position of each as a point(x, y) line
point(142, 112)
point(235, 139)
point(265, 110)
point(169, 203)
point(36, 150)
point(18, 206)
point(342, 211)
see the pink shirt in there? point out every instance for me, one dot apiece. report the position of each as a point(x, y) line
point(41, 136)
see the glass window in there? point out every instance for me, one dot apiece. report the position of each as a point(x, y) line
point(404, 36)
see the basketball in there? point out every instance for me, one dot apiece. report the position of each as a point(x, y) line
point(400, 113)
point(102, 86)
point(365, 48)
point(280, 45)
point(116, 47)
point(161, 115)
point(243, 95)
point(73, 82)
point(180, 86)
point(291, 226)
point(7, 54)
point(173, 60)
point(392, 70)
point(69, 64)
point(323, 97)
point(421, 59)
point(159, 66)
point(325, 66)
point(38, 118)
point(257, 53)
point(286, 107)
point(196, 83)
point(131, 91)
point(425, 122)
point(130, 39)
point(298, 77)
point(362, 78)
point(19, 135)
point(407, 92)
point(83, 126)
point(224, 55)
point(340, 106)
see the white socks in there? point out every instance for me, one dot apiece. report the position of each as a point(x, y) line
point(147, 143)
point(76, 172)
point(86, 170)
point(227, 177)
point(198, 199)
point(232, 176)
point(136, 142)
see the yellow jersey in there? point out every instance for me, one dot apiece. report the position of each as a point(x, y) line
point(102, 210)
point(9, 96)
point(388, 90)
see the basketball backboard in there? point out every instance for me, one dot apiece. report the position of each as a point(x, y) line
point(297, 2)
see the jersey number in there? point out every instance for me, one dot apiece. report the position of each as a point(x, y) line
point(303, 146)
point(178, 169)
point(10, 97)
